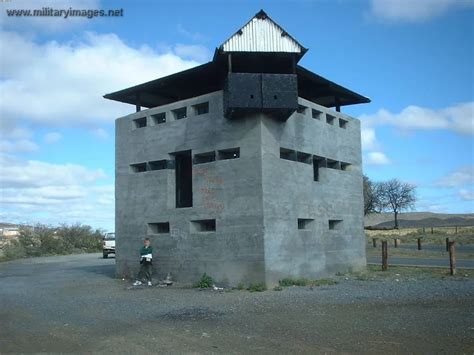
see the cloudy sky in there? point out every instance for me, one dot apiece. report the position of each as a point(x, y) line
point(413, 58)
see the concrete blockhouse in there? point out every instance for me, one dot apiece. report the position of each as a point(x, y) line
point(243, 168)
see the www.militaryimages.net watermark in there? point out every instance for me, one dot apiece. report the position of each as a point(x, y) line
point(64, 13)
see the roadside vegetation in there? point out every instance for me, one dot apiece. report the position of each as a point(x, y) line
point(407, 273)
point(44, 240)
point(428, 235)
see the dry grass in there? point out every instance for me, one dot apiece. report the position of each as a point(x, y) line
point(464, 235)
point(374, 272)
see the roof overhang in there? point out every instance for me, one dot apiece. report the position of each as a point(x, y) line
point(211, 76)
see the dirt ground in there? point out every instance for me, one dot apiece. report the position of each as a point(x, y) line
point(73, 304)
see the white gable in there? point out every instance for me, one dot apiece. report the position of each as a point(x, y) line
point(262, 34)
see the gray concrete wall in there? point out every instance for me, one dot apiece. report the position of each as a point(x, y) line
point(290, 192)
point(255, 199)
point(226, 190)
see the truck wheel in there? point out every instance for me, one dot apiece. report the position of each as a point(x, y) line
point(105, 256)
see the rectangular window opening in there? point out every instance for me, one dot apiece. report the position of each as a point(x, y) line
point(335, 224)
point(204, 225)
point(159, 228)
point(305, 223)
point(345, 166)
point(232, 153)
point(303, 157)
point(159, 118)
point(287, 154)
point(316, 114)
point(158, 164)
point(318, 162)
point(333, 164)
point(138, 168)
point(204, 158)
point(330, 119)
point(180, 113)
point(201, 109)
point(342, 123)
point(184, 179)
point(139, 122)
point(301, 109)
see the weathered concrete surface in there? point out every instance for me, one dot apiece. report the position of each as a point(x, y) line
point(72, 304)
point(256, 199)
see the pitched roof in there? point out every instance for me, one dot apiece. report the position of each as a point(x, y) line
point(262, 34)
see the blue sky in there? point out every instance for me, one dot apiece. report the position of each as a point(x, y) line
point(412, 58)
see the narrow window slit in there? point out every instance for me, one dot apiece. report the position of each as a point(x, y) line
point(225, 154)
point(139, 122)
point(159, 228)
point(204, 158)
point(204, 225)
point(138, 168)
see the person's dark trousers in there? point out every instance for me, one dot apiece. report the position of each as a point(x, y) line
point(145, 272)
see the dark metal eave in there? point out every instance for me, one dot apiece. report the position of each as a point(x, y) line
point(171, 88)
point(322, 91)
point(210, 77)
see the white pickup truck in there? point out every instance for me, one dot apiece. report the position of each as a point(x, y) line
point(108, 245)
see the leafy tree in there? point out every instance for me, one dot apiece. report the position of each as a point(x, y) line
point(371, 196)
point(396, 196)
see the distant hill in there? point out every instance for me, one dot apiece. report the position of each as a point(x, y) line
point(420, 219)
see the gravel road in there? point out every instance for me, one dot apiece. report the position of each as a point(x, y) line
point(73, 304)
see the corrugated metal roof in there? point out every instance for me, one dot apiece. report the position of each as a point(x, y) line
point(262, 34)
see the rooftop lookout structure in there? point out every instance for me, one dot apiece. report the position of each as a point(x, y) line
point(243, 167)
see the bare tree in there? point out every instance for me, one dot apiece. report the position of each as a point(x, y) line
point(397, 196)
point(371, 196)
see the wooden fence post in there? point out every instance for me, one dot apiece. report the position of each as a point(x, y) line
point(395, 242)
point(431, 230)
point(423, 229)
point(384, 255)
point(456, 230)
point(447, 244)
point(419, 243)
point(374, 242)
point(452, 258)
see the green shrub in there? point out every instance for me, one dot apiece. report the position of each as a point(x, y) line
point(257, 287)
point(240, 286)
point(206, 281)
point(42, 240)
point(323, 282)
point(14, 250)
point(294, 282)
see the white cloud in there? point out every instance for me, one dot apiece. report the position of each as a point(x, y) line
point(65, 83)
point(46, 24)
point(16, 173)
point(16, 139)
point(461, 177)
point(36, 191)
point(194, 52)
point(458, 118)
point(18, 146)
point(52, 137)
point(415, 10)
point(369, 141)
point(376, 158)
point(466, 195)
